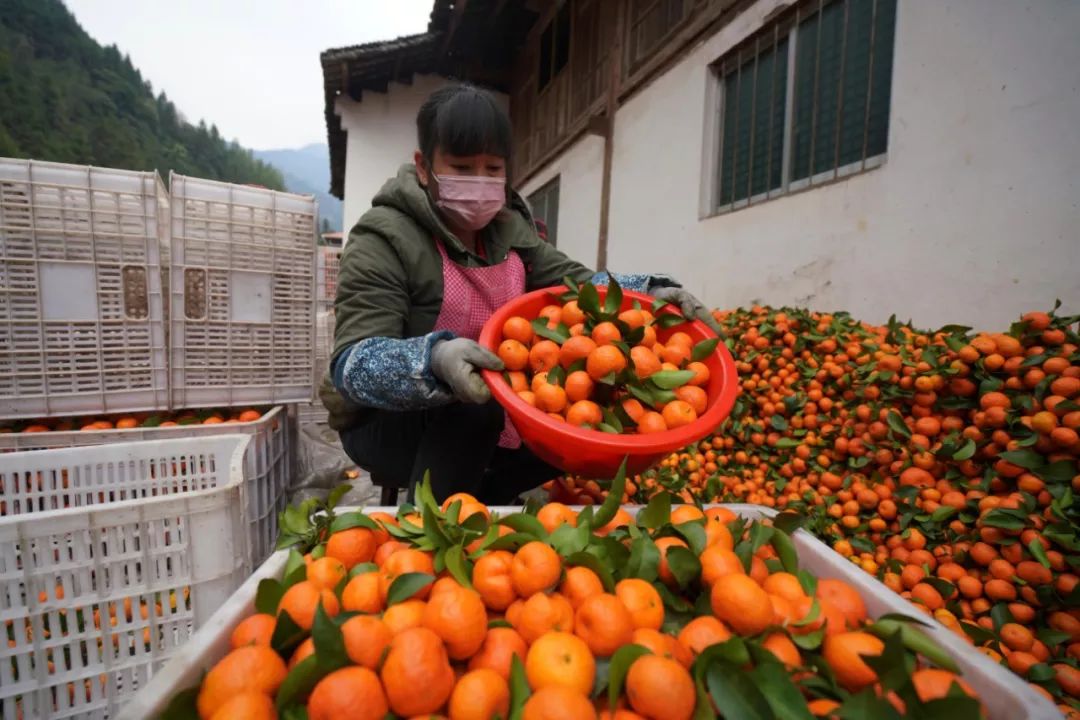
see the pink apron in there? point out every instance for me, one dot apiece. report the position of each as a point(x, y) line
point(471, 296)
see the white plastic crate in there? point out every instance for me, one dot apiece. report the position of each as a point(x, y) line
point(82, 319)
point(326, 272)
point(117, 554)
point(242, 307)
point(267, 464)
point(314, 412)
point(1005, 696)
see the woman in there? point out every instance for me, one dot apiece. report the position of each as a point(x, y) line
point(445, 244)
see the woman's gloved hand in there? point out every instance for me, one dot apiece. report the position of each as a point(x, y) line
point(690, 306)
point(458, 363)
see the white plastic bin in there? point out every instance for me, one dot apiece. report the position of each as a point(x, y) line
point(314, 412)
point(118, 553)
point(242, 305)
point(82, 320)
point(327, 265)
point(268, 464)
point(1005, 695)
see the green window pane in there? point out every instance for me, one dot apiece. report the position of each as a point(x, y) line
point(833, 84)
point(753, 126)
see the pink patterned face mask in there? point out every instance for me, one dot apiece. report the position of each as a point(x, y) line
point(470, 202)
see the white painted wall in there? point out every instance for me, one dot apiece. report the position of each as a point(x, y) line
point(381, 136)
point(580, 170)
point(974, 217)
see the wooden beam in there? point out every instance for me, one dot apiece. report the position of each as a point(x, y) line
point(455, 23)
point(494, 17)
point(614, 76)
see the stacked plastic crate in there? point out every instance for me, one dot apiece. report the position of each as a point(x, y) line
point(118, 298)
point(328, 261)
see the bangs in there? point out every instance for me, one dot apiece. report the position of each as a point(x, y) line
point(463, 120)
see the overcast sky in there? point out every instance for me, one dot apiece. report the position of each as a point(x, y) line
point(250, 66)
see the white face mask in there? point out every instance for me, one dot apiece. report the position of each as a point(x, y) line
point(470, 202)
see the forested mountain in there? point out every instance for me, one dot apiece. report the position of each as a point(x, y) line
point(307, 170)
point(63, 97)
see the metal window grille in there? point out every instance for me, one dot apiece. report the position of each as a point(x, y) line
point(545, 207)
point(805, 101)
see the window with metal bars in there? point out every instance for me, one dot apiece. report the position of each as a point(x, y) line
point(545, 207)
point(805, 101)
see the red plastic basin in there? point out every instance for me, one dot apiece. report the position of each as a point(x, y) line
point(592, 453)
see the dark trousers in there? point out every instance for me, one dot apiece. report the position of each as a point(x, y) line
point(457, 444)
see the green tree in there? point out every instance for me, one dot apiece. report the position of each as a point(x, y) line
point(65, 98)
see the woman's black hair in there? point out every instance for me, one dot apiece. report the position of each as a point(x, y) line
point(463, 120)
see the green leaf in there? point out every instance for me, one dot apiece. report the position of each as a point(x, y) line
point(511, 541)
point(352, 520)
point(268, 596)
point(643, 394)
point(778, 423)
point(684, 565)
point(913, 640)
point(977, 633)
point(433, 529)
point(1003, 518)
point(460, 568)
point(614, 297)
point(1027, 459)
point(362, 569)
point(657, 513)
point(704, 349)
point(669, 320)
point(287, 540)
point(525, 524)
point(424, 497)
point(890, 665)
point(942, 513)
point(896, 423)
point(519, 685)
point(966, 451)
point(644, 561)
point(788, 522)
point(621, 661)
point(329, 641)
point(300, 681)
point(607, 510)
point(735, 692)
point(612, 421)
point(867, 705)
point(567, 539)
point(182, 706)
point(694, 534)
point(809, 641)
point(335, 495)
point(1000, 615)
point(671, 379)
point(811, 615)
point(293, 565)
point(787, 443)
point(294, 712)
point(589, 300)
point(559, 334)
point(785, 551)
point(1038, 552)
point(287, 634)
point(772, 678)
point(407, 585)
point(590, 561)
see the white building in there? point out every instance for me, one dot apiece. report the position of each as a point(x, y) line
point(948, 193)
